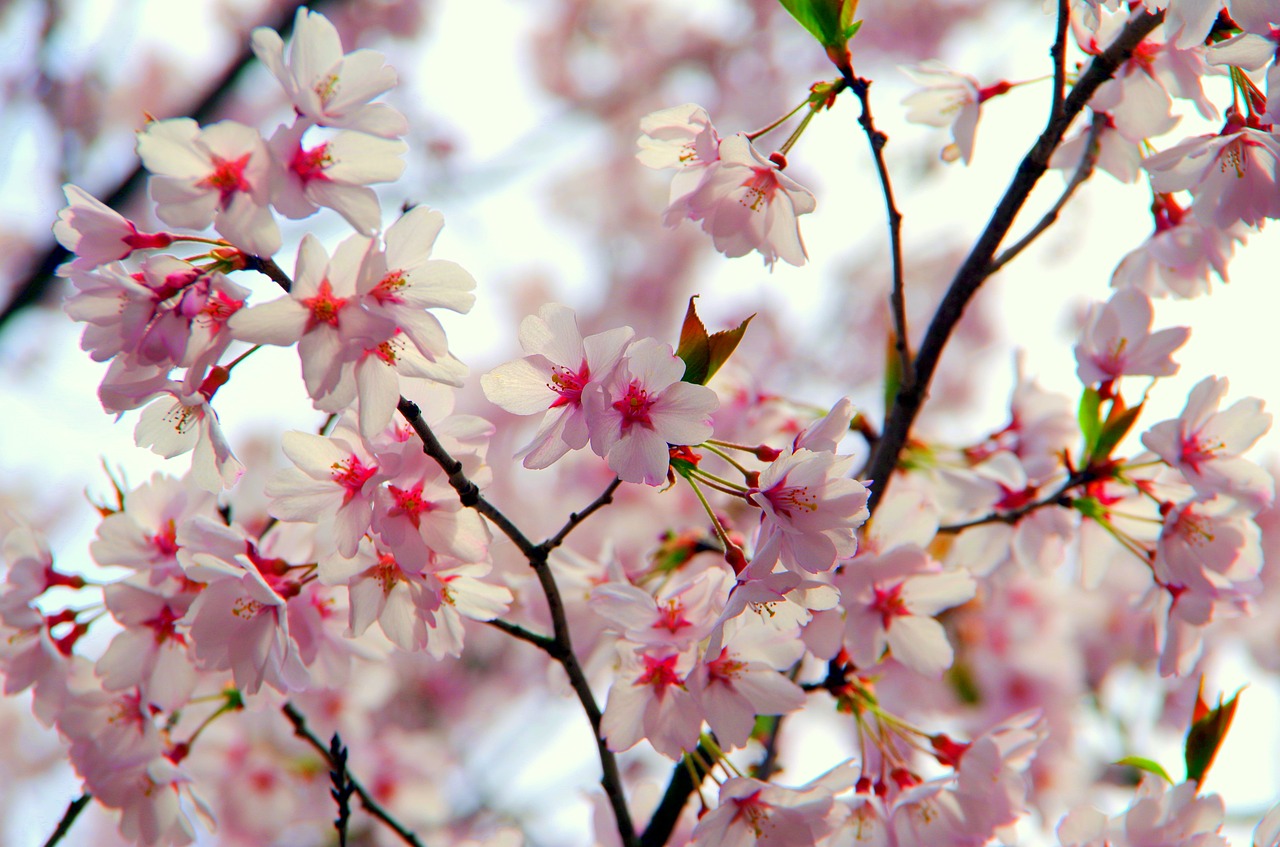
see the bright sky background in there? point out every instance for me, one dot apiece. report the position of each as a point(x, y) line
point(54, 434)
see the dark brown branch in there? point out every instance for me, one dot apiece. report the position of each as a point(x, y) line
point(74, 808)
point(897, 294)
point(372, 806)
point(1012, 516)
point(561, 646)
point(1083, 171)
point(1058, 52)
point(679, 787)
point(976, 267)
point(542, 642)
point(36, 286)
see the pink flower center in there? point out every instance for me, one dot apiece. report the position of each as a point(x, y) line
point(634, 407)
point(671, 617)
point(889, 603)
point(409, 503)
point(311, 164)
point(166, 540)
point(227, 177)
point(755, 810)
point(760, 188)
point(786, 499)
point(351, 474)
point(388, 290)
point(1195, 452)
point(568, 385)
point(163, 624)
point(324, 307)
point(724, 669)
point(660, 673)
point(387, 572)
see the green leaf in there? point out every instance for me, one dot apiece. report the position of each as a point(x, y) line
point(1119, 421)
point(1206, 735)
point(829, 21)
point(1146, 765)
point(1090, 423)
point(703, 354)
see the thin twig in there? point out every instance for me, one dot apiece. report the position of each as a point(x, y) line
point(561, 646)
point(542, 642)
point(897, 295)
point(976, 267)
point(1012, 516)
point(769, 763)
point(74, 808)
point(342, 787)
point(36, 286)
point(1082, 173)
point(372, 806)
point(575, 518)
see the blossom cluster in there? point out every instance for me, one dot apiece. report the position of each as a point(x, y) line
point(752, 571)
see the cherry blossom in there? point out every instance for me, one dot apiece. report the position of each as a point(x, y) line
point(890, 600)
point(551, 379)
point(182, 421)
point(948, 98)
point(1205, 444)
point(98, 234)
point(1117, 341)
point(745, 202)
point(326, 86)
point(649, 700)
point(323, 314)
point(681, 137)
point(219, 174)
point(641, 408)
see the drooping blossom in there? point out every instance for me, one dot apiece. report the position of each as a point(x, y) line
point(98, 234)
point(745, 202)
point(683, 138)
point(948, 98)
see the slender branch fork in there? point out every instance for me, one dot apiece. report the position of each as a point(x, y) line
point(977, 267)
point(559, 647)
point(371, 805)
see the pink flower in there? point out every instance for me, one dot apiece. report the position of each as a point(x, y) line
point(948, 98)
point(402, 282)
point(1205, 444)
point(1117, 341)
point(98, 234)
point(649, 700)
point(890, 601)
point(810, 509)
point(561, 363)
point(327, 87)
point(184, 422)
point(745, 202)
point(333, 480)
point(1232, 174)
point(335, 174)
point(220, 174)
point(322, 313)
point(1178, 258)
point(683, 138)
point(753, 812)
point(150, 654)
point(641, 408)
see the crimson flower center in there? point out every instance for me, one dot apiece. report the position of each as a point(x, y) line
point(227, 177)
point(568, 385)
point(889, 603)
point(311, 164)
point(324, 307)
point(351, 474)
point(634, 407)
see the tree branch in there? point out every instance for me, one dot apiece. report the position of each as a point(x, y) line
point(1012, 516)
point(897, 295)
point(679, 787)
point(575, 518)
point(561, 646)
point(976, 268)
point(542, 642)
point(372, 806)
point(74, 808)
point(1082, 173)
